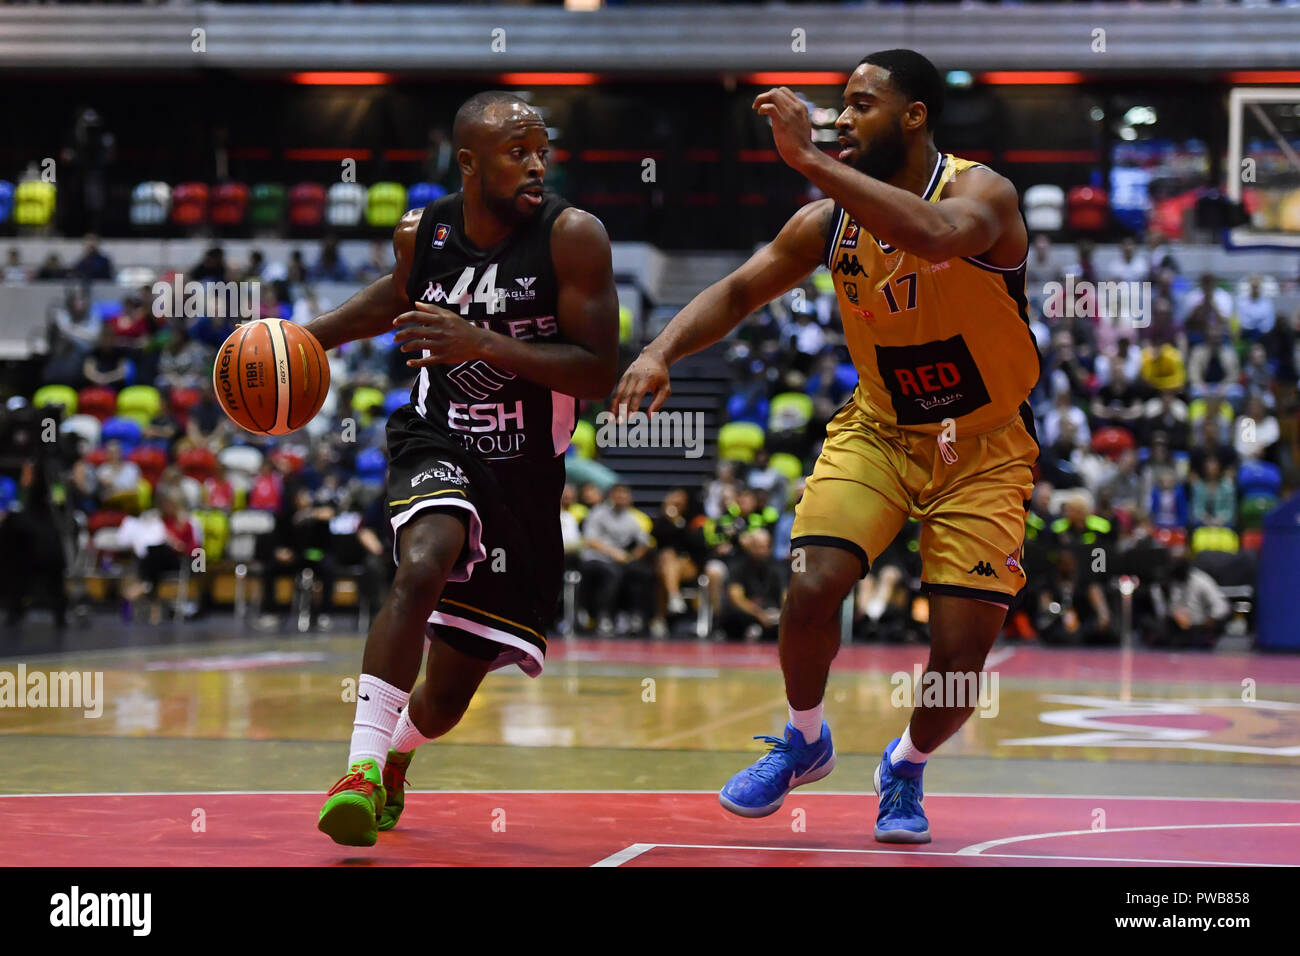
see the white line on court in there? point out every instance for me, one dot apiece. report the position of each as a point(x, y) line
point(636, 849)
point(977, 848)
point(625, 854)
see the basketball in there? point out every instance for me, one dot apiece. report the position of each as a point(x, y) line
point(271, 376)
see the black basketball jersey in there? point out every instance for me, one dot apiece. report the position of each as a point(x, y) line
point(511, 289)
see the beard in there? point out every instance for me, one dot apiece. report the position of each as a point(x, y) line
point(506, 209)
point(884, 156)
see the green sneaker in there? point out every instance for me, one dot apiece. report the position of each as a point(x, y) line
point(353, 804)
point(394, 788)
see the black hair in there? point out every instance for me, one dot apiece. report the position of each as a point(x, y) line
point(914, 76)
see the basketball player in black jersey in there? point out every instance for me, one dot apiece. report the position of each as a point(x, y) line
point(504, 300)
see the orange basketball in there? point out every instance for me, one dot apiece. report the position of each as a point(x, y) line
point(271, 376)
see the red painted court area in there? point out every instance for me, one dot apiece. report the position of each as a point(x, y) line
point(644, 829)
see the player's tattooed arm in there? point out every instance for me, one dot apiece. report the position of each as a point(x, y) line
point(770, 272)
point(371, 311)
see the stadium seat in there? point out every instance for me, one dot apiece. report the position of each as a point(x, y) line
point(741, 408)
point(216, 532)
point(1253, 510)
point(1215, 539)
point(8, 491)
point(104, 518)
point(1259, 478)
point(85, 427)
point(364, 400)
point(583, 442)
point(395, 399)
point(385, 204)
point(790, 411)
point(121, 429)
point(95, 457)
point(150, 203)
point(6, 201)
point(266, 205)
point(421, 194)
point(290, 460)
point(98, 401)
point(1044, 208)
point(1112, 441)
point(580, 471)
point(1088, 209)
point(190, 204)
point(140, 400)
point(344, 204)
point(152, 461)
point(242, 459)
point(306, 205)
point(181, 401)
point(229, 204)
point(1170, 537)
point(370, 466)
point(198, 463)
point(49, 395)
point(788, 465)
point(34, 203)
point(245, 526)
point(1252, 539)
point(737, 441)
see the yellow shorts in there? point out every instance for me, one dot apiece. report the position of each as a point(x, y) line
point(870, 477)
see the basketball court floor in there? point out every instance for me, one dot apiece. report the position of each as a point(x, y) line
point(213, 749)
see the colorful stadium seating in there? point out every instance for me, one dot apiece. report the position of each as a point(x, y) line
point(266, 205)
point(385, 204)
point(6, 201)
point(306, 205)
point(98, 401)
point(121, 429)
point(229, 204)
point(150, 203)
point(198, 463)
point(190, 204)
point(737, 441)
point(583, 442)
point(51, 395)
point(421, 194)
point(345, 204)
point(34, 202)
point(140, 401)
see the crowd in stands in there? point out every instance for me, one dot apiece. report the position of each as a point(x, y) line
point(1166, 435)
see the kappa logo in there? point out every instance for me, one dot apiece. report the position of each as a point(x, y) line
point(449, 473)
point(850, 238)
point(441, 233)
point(850, 266)
point(434, 293)
point(983, 569)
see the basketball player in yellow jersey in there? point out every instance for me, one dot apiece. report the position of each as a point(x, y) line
point(928, 255)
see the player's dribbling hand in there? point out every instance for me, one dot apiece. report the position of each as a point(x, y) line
point(791, 125)
point(447, 337)
point(647, 374)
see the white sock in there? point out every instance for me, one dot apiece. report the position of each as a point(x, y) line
point(808, 723)
point(378, 705)
point(407, 736)
point(906, 750)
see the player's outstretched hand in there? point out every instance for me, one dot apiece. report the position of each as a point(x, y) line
point(791, 124)
point(647, 374)
point(447, 337)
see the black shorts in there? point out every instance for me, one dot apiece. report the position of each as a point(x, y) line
point(504, 590)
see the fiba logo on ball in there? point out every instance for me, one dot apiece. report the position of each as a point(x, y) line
point(272, 377)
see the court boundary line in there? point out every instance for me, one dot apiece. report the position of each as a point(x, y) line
point(685, 793)
point(976, 849)
point(625, 854)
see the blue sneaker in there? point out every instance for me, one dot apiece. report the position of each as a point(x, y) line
point(761, 788)
point(901, 818)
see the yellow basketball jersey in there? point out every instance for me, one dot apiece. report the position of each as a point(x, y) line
point(932, 340)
